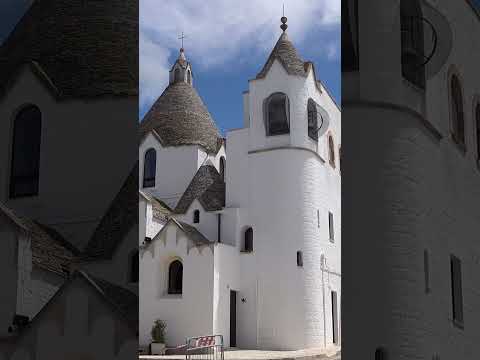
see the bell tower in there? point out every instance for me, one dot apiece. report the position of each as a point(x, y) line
point(181, 70)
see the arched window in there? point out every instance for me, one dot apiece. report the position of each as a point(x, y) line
point(299, 259)
point(277, 114)
point(312, 120)
point(412, 30)
point(149, 168)
point(189, 77)
point(25, 165)
point(196, 216)
point(331, 151)
point(248, 240)
point(175, 277)
point(380, 354)
point(222, 168)
point(477, 123)
point(133, 271)
point(458, 122)
point(177, 75)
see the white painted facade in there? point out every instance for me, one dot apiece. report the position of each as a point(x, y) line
point(284, 188)
point(423, 189)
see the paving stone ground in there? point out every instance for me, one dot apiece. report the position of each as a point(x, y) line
point(331, 353)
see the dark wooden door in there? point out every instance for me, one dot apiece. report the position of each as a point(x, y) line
point(233, 318)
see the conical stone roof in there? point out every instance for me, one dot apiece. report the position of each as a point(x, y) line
point(86, 48)
point(285, 52)
point(180, 117)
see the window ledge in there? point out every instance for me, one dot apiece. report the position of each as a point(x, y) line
point(171, 296)
point(461, 147)
point(458, 324)
point(246, 252)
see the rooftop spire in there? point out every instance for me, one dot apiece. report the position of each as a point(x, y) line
point(284, 25)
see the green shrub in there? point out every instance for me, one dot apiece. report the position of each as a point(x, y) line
point(158, 331)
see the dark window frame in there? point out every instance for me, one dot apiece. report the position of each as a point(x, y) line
point(196, 216)
point(248, 240)
point(29, 152)
point(331, 229)
point(331, 151)
point(457, 291)
point(299, 258)
point(284, 129)
point(221, 167)
point(312, 119)
point(175, 278)
point(457, 113)
point(150, 180)
point(134, 270)
point(177, 75)
point(477, 128)
point(412, 42)
point(350, 37)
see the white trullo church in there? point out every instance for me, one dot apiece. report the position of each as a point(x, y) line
point(240, 236)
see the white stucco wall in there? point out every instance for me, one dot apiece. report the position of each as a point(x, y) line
point(189, 314)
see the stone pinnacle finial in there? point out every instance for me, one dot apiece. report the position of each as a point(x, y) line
point(284, 25)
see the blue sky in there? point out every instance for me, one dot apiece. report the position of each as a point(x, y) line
point(227, 43)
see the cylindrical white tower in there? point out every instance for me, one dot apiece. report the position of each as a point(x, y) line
point(293, 197)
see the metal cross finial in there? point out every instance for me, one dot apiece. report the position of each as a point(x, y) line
point(182, 37)
point(283, 13)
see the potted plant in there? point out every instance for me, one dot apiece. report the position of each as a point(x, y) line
point(157, 347)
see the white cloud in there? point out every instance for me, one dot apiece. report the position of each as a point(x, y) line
point(219, 31)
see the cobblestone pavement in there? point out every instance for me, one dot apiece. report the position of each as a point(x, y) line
point(331, 353)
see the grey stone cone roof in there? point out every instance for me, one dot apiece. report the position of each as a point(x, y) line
point(208, 187)
point(180, 117)
point(124, 301)
point(161, 211)
point(119, 219)
point(85, 50)
point(285, 52)
point(50, 251)
point(193, 234)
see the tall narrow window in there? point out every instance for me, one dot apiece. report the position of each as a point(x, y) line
point(248, 240)
point(149, 168)
point(133, 271)
point(25, 166)
point(457, 296)
point(334, 317)
point(299, 259)
point(318, 218)
point(222, 168)
point(312, 120)
point(196, 216)
point(277, 114)
point(350, 58)
point(175, 277)
point(189, 77)
point(412, 30)
point(426, 269)
point(477, 123)
point(458, 122)
point(331, 151)
point(177, 75)
point(380, 354)
point(330, 227)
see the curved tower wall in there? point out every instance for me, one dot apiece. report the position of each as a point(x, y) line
point(288, 182)
point(422, 195)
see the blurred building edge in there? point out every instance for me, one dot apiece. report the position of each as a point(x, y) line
point(46, 269)
point(68, 193)
point(410, 186)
